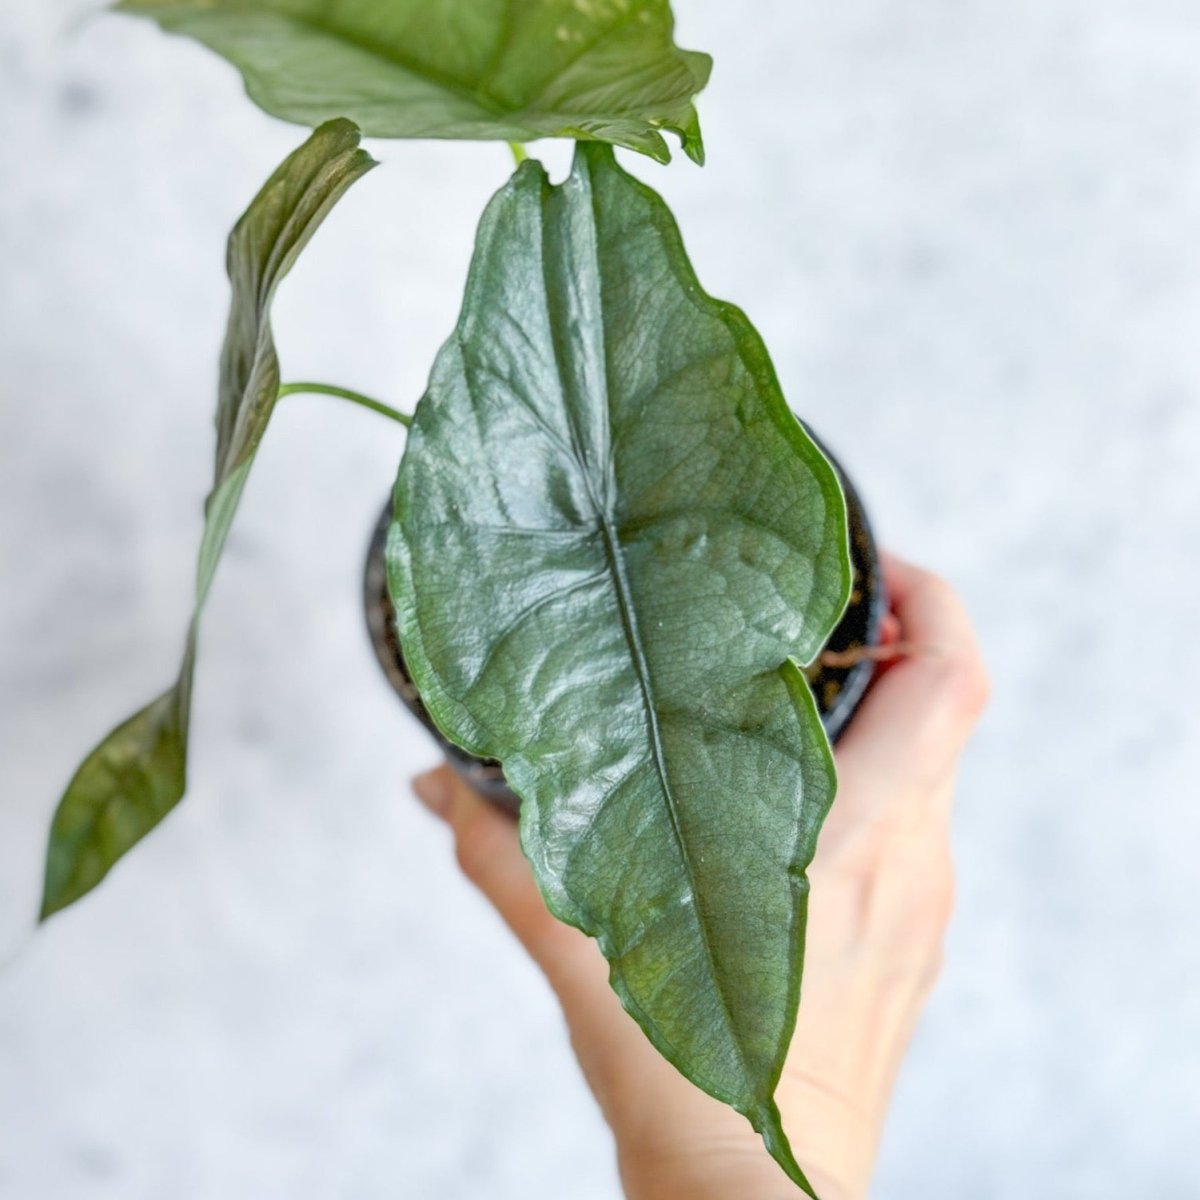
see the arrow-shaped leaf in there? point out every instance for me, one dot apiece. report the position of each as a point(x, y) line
point(613, 542)
point(137, 774)
point(515, 70)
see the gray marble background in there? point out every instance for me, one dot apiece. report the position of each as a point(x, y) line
point(970, 232)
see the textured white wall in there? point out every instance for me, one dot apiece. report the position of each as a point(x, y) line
point(969, 232)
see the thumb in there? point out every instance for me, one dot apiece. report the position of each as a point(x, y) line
point(488, 850)
point(615, 1056)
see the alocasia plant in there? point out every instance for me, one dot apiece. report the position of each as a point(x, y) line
point(614, 546)
point(612, 541)
point(137, 774)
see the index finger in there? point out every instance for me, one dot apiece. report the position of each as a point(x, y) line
point(918, 715)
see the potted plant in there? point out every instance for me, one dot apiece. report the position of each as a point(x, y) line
point(617, 577)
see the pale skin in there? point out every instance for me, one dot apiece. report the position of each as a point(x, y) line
point(882, 893)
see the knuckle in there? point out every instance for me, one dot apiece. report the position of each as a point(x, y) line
point(964, 682)
point(937, 594)
point(972, 688)
point(467, 855)
point(940, 891)
point(938, 587)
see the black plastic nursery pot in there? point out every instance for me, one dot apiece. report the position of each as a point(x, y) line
point(838, 689)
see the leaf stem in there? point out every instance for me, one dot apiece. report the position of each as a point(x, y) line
point(518, 152)
point(328, 389)
point(840, 660)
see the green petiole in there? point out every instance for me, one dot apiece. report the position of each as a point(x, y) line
point(328, 389)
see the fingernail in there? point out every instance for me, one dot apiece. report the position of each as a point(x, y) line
point(433, 791)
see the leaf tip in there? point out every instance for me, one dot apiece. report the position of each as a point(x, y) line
point(652, 144)
point(363, 161)
point(65, 880)
point(346, 135)
point(49, 907)
point(57, 892)
point(690, 136)
point(767, 1121)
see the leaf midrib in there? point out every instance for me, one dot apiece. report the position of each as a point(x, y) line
point(621, 587)
point(618, 571)
point(389, 54)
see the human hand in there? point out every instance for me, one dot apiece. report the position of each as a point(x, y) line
point(882, 892)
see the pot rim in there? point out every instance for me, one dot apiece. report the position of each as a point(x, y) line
point(487, 775)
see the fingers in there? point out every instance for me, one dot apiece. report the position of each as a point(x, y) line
point(490, 856)
point(610, 1047)
point(919, 713)
point(926, 607)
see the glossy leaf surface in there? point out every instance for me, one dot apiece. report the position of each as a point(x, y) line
point(612, 545)
point(513, 70)
point(138, 773)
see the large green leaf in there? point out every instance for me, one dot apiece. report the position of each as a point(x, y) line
point(516, 70)
point(138, 773)
point(613, 544)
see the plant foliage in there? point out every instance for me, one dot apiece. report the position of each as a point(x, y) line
point(514, 70)
point(613, 548)
point(137, 774)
